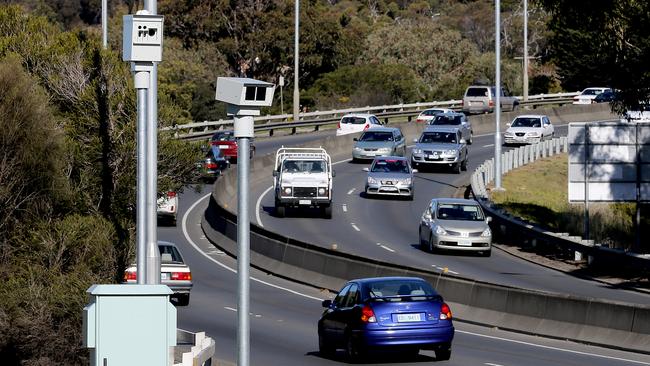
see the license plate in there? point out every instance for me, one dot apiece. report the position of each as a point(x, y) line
point(304, 202)
point(465, 243)
point(434, 156)
point(390, 189)
point(164, 276)
point(224, 146)
point(408, 318)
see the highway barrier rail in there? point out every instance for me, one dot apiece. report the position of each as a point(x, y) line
point(588, 320)
point(201, 348)
point(515, 228)
point(201, 130)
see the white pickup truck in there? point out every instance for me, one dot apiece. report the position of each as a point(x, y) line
point(303, 178)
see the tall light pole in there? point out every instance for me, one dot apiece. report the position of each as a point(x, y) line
point(104, 24)
point(296, 91)
point(525, 50)
point(497, 134)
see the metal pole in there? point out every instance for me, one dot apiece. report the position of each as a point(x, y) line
point(104, 24)
point(296, 67)
point(637, 219)
point(153, 255)
point(281, 101)
point(586, 218)
point(497, 134)
point(525, 50)
point(243, 238)
point(141, 79)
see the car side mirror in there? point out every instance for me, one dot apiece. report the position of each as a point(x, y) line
point(462, 141)
point(488, 219)
point(333, 173)
point(355, 139)
point(427, 215)
point(327, 303)
point(275, 173)
point(365, 169)
point(414, 171)
point(507, 124)
point(415, 140)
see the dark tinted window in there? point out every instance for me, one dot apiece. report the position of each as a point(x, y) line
point(442, 137)
point(169, 254)
point(352, 297)
point(390, 166)
point(353, 120)
point(526, 122)
point(393, 290)
point(376, 136)
point(477, 92)
point(432, 112)
point(339, 298)
point(223, 136)
point(447, 120)
point(447, 211)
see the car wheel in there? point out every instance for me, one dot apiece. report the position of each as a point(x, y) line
point(411, 353)
point(487, 253)
point(327, 212)
point(410, 198)
point(456, 168)
point(324, 348)
point(463, 165)
point(443, 353)
point(280, 211)
point(183, 299)
point(353, 351)
point(355, 160)
point(471, 138)
point(423, 245)
point(431, 247)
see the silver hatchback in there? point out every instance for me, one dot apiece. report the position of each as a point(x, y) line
point(455, 224)
point(390, 176)
point(380, 141)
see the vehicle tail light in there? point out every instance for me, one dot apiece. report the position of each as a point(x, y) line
point(339, 125)
point(367, 315)
point(181, 276)
point(462, 103)
point(419, 120)
point(171, 194)
point(130, 275)
point(491, 103)
point(445, 312)
point(367, 126)
point(211, 166)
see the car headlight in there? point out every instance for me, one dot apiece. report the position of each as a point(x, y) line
point(322, 191)
point(406, 181)
point(417, 151)
point(440, 231)
point(533, 134)
point(450, 152)
point(372, 180)
point(287, 191)
point(356, 148)
point(487, 232)
point(508, 134)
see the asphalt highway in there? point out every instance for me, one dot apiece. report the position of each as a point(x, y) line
point(284, 315)
point(387, 229)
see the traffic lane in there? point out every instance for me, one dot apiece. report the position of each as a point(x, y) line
point(269, 145)
point(283, 324)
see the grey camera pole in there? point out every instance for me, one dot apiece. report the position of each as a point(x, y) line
point(243, 133)
point(141, 81)
point(296, 64)
point(525, 74)
point(497, 134)
point(104, 24)
point(153, 255)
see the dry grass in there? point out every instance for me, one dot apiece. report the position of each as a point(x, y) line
point(538, 193)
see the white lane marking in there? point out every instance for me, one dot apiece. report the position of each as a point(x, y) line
point(488, 145)
point(258, 207)
point(492, 364)
point(355, 226)
point(345, 208)
point(229, 308)
point(352, 191)
point(387, 248)
point(553, 348)
point(189, 240)
point(259, 200)
point(450, 271)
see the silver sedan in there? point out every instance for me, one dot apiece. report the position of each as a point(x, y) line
point(455, 224)
point(390, 176)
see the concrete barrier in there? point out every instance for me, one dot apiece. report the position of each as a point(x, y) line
point(609, 324)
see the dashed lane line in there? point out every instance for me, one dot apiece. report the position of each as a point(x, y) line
point(351, 191)
point(355, 226)
point(345, 208)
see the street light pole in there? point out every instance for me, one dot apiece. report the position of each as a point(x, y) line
point(525, 50)
point(104, 24)
point(497, 134)
point(296, 90)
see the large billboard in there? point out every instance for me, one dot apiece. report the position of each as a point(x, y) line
point(609, 161)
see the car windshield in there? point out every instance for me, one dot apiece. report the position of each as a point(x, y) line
point(399, 289)
point(447, 120)
point(526, 122)
point(465, 212)
point(390, 166)
point(477, 92)
point(304, 166)
point(376, 136)
point(591, 92)
point(169, 254)
point(433, 137)
point(223, 136)
point(353, 120)
point(432, 112)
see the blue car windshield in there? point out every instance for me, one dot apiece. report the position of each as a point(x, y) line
point(376, 136)
point(400, 290)
point(390, 166)
point(462, 212)
point(434, 137)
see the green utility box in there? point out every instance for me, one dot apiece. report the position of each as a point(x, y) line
point(128, 325)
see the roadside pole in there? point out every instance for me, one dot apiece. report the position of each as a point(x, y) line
point(497, 107)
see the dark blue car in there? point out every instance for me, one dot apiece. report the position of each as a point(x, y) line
point(403, 313)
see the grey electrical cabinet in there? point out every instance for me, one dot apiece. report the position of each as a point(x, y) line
point(129, 325)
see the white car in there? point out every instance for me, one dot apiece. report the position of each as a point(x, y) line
point(357, 122)
point(587, 96)
point(529, 129)
point(427, 115)
point(168, 207)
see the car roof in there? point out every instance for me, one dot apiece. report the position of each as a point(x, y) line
point(379, 279)
point(532, 116)
point(451, 113)
point(365, 115)
point(454, 201)
point(441, 128)
point(382, 129)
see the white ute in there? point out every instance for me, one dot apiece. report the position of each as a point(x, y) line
point(303, 178)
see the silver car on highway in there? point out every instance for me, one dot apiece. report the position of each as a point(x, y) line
point(440, 146)
point(455, 224)
point(379, 141)
point(390, 176)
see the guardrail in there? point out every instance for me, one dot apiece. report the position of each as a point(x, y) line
point(270, 123)
point(201, 349)
point(512, 227)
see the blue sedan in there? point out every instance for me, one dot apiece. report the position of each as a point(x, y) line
point(403, 313)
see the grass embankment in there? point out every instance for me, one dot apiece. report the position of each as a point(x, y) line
point(538, 193)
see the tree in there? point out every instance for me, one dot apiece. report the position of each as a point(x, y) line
point(603, 42)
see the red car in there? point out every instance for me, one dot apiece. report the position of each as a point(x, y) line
point(226, 142)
